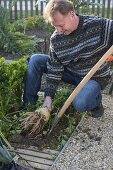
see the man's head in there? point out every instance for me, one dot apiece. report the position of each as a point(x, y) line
point(60, 13)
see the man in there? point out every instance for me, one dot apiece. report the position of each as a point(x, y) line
point(75, 47)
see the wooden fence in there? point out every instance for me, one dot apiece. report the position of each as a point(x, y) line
point(24, 8)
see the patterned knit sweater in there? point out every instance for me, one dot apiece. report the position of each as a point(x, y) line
point(79, 51)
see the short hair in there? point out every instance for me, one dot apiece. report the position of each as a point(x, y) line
point(63, 6)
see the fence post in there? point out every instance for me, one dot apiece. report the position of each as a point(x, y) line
point(21, 11)
point(93, 6)
point(112, 10)
point(41, 7)
point(103, 8)
point(10, 9)
point(36, 7)
point(108, 9)
point(98, 8)
point(26, 8)
point(15, 10)
point(5, 3)
point(31, 4)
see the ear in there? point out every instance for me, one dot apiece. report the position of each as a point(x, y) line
point(72, 13)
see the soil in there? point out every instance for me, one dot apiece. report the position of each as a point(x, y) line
point(44, 141)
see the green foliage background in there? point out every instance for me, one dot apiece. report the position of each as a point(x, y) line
point(11, 88)
point(11, 84)
point(13, 41)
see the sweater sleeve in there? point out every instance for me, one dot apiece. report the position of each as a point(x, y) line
point(54, 74)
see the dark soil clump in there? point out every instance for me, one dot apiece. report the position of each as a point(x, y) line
point(44, 141)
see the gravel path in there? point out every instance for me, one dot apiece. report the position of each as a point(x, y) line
point(91, 146)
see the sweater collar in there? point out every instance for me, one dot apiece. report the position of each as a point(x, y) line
point(79, 25)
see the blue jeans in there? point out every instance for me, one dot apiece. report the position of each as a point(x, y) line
point(87, 99)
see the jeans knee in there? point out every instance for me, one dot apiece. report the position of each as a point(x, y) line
point(79, 105)
point(38, 62)
point(89, 97)
point(32, 61)
point(95, 85)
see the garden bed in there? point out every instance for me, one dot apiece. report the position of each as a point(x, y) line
point(56, 140)
point(42, 142)
point(60, 134)
point(12, 77)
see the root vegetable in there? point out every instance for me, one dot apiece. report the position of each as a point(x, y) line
point(35, 121)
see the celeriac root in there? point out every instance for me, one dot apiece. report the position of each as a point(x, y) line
point(35, 121)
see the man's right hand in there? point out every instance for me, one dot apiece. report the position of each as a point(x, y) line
point(48, 103)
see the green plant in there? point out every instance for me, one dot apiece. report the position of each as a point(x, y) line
point(41, 23)
point(10, 124)
point(11, 86)
point(60, 98)
point(19, 25)
point(4, 26)
point(30, 23)
point(66, 133)
point(13, 41)
point(83, 6)
point(11, 89)
point(23, 44)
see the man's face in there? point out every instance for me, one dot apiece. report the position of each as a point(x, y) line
point(65, 23)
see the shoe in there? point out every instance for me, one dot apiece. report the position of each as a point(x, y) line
point(97, 111)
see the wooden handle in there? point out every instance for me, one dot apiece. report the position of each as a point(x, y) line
point(84, 81)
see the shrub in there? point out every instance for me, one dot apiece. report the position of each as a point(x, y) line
point(12, 41)
point(32, 22)
point(11, 86)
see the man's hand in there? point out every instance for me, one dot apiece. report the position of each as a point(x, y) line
point(48, 103)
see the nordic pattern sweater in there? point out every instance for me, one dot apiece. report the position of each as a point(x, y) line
point(79, 51)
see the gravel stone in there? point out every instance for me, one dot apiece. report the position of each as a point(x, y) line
point(91, 145)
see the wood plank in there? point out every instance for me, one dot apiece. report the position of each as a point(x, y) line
point(34, 165)
point(50, 151)
point(36, 159)
point(39, 159)
point(39, 166)
point(36, 154)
